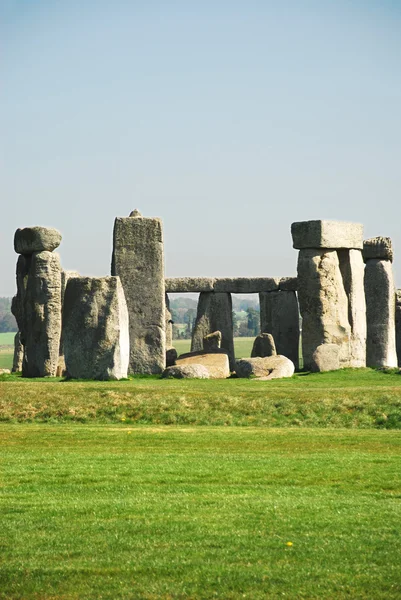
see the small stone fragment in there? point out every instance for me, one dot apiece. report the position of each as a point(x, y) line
point(171, 357)
point(264, 346)
point(326, 358)
point(194, 371)
point(212, 341)
point(36, 239)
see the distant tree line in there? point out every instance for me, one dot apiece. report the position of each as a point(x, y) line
point(7, 319)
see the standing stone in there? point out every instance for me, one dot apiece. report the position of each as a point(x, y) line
point(323, 303)
point(398, 325)
point(95, 328)
point(214, 314)
point(17, 305)
point(139, 262)
point(380, 314)
point(279, 316)
point(169, 324)
point(18, 353)
point(352, 270)
point(263, 346)
point(41, 329)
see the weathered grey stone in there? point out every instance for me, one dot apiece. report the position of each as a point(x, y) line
point(323, 303)
point(168, 325)
point(245, 285)
point(380, 314)
point(17, 305)
point(18, 353)
point(326, 358)
point(95, 328)
point(212, 341)
point(264, 346)
point(65, 276)
point(378, 247)
point(288, 284)
point(61, 368)
point(186, 372)
point(135, 213)
point(279, 315)
point(138, 261)
point(42, 316)
point(189, 284)
point(214, 314)
point(270, 367)
point(216, 363)
point(36, 239)
point(327, 234)
point(171, 356)
point(352, 270)
point(398, 325)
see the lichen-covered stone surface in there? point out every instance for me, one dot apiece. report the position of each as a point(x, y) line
point(245, 285)
point(380, 314)
point(270, 367)
point(279, 315)
point(323, 304)
point(378, 247)
point(352, 270)
point(264, 346)
point(139, 262)
point(41, 329)
point(327, 234)
point(36, 239)
point(189, 284)
point(214, 314)
point(326, 358)
point(216, 363)
point(95, 328)
point(195, 371)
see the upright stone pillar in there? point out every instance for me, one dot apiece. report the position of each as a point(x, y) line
point(380, 303)
point(18, 353)
point(330, 290)
point(37, 305)
point(169, 325)
point(398, 325)
point(138, 259)
point(214, 314)
point(279, 316)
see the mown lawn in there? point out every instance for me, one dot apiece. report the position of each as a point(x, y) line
point(183, 512)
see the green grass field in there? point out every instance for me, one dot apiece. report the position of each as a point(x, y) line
point(179, 512)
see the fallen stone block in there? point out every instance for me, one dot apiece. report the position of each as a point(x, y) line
point(193, 371)
point(271, 367)
point(216, 363)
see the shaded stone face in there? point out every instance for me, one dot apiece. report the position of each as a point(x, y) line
point(42, 316)
point(212, 341)
point(18, 353)
point(214, 314)
point(36, 239)
point(138, 260)
point(327, 234)
point(378, 247)
point(323, 304)
point(95, 328)
point(279, 315)
point(380, 314)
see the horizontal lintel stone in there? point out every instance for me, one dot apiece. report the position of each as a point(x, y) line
point(288, 284)
point(378, 247)
point(189, 284)
point(231, 285)
point(327, 234)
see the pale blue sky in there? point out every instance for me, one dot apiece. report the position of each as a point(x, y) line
point(229, 120)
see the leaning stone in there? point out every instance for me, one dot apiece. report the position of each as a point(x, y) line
point(138, 260)
point(270, 367)
point(326, 358)
point(398, 325)
point(279, 315)
point(378, 247)
point(186, 372)
point(95, 328)
point(216, 363)
point(36, 239)
point(189, 284)
point(171, 357)
point(288, 284)
point(246, 285)
point(380, 314)
point(42, 316)
point(214, 314)
point(212, 341)
point(323, 303)
point(327, 234)
point(263, 346)
point(18, 353)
